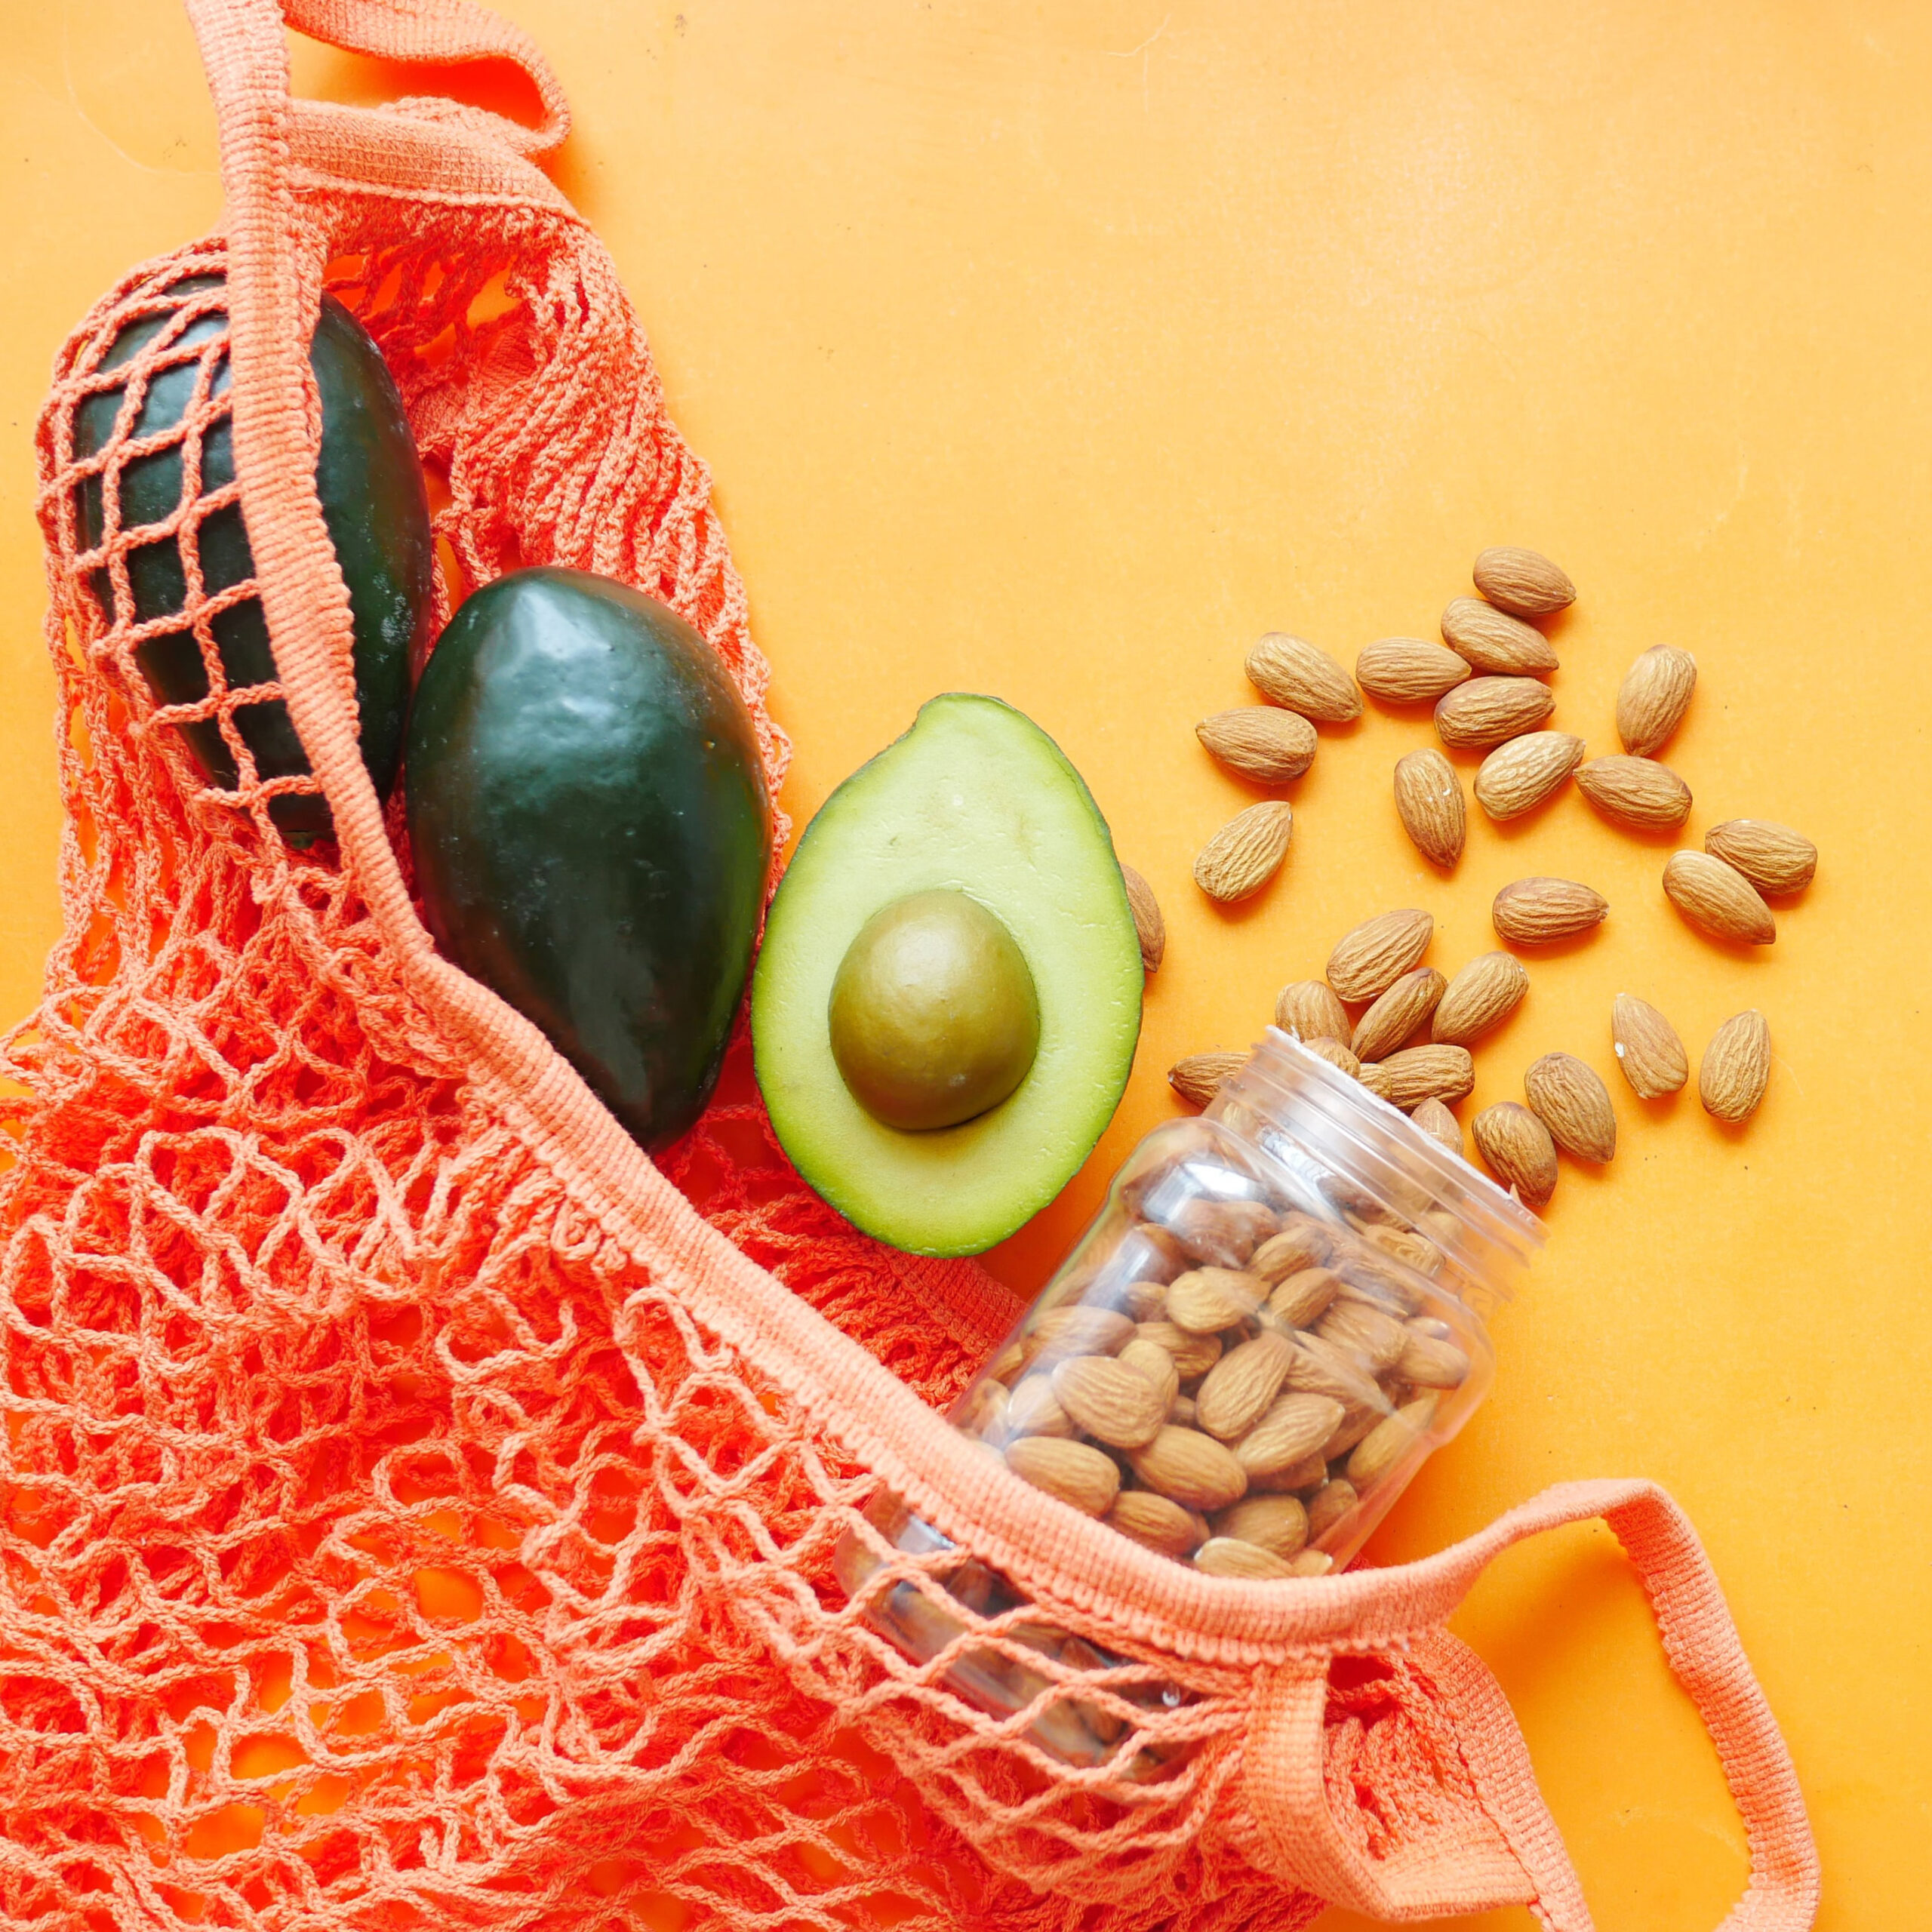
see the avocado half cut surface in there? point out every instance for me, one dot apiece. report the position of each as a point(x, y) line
point(974, 799)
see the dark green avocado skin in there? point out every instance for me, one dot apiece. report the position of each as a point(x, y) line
point(376, 506)
point(588, 815)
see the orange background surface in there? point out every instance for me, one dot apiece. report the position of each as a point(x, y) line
point(1057, 352)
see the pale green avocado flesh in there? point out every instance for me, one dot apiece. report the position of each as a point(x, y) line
point(975, 800)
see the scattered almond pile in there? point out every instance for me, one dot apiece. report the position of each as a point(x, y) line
point(1409, 1041)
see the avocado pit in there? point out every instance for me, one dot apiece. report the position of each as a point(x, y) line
point(934, 1016)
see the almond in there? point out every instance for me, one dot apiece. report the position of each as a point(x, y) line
point(1515, 778)
point(1246, 853)
point(1571, 1100)
point(1112, 1400)
point(1076, 1472)
point(1413, 1250)
point(1390, 1440)
point(1635, 791)
point(1234, 1392)
point(1295, 1425)
point(1209, 1300)
point(1718, 899)
point(1329, 1505)
point(1294, 673)
point(1487, 710)
point(1193, 1355)
point(1409, 670)
point(1483, 994)
point(1277, 1524)
point(1524, 583)
point(1261, 741)
point(1075, 1328)
point(1737, 1068)
point(1180, 1412)
point(1424, 1073)
point(1157, 1365)
point(1653, 697)
point(1198, 1078)
point(1221, 1234)
point(1339, 1057)
point(1429, 800)
point(1320, 1368)
point(1440, 1125)
point(1033, 1409)
point(1309, 1009)
point(1518, 1149)
point(1373, 1336)
point(1228, 1556)
point(1311, 1472)
point(1302, 1243)
point(1428, 1362)
point(1190, 1468)
point(1157, 1521)
point(1148, 924)
point(1538, 911)
point(1492, 641)
point(1772, 858)
point(1371, 958)
point(1647, 1048)
point(1299, 1298)
point(1397, 1014)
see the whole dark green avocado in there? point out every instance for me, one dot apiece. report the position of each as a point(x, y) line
point(374, 502)
point(588, 815)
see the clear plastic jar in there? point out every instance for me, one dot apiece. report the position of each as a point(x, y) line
point(1274, 1318)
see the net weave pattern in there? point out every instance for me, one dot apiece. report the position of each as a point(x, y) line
point(381, 1546)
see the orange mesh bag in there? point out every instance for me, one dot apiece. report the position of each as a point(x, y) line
point(416, 1511)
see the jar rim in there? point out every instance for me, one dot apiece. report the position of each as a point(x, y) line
point(1281, 1074)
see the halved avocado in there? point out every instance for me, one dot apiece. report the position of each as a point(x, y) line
point(975, 800)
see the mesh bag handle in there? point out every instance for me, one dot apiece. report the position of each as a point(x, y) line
point(1292, 1795)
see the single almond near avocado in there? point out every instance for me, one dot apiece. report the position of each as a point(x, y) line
point(1523, 583)
point(1718, 899)
point(1647, 1048)
point(1519, 1149)
point(1294, 673)
point(1369, 958)
point(1149, 927)
point(1737, 1068)
point(1487, 712)
point(1198, 1078)
point(1571, 1099)
point(1310, 1010)
point(1261, 741)
point(1772, 858)
point(1423, 1073)
point(1492, 641)
point(1409, 670)
point(1636, 791)
point(1429, 800)
point(1539, 912)
point(1655, 694)
point(1293, 1426)
point(1515, 778)
point(1246, 853)
point(1483, 994)
point(1076, 1472)
point(1206, 1300)
point(1440, 1125)
point(1397, 1014)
